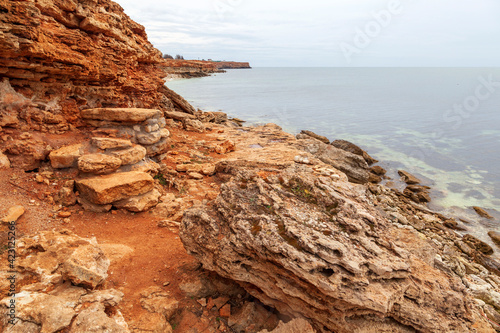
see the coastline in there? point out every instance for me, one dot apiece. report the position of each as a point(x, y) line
point(454, 203)
point(132, 211)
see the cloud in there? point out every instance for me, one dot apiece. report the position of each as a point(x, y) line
point(302, 33)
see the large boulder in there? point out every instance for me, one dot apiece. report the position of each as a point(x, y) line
point(354, 166)
point(110, 188)
point(313, 246)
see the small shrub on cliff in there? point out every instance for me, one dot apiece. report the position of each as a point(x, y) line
point(179, 57)
point(167, 56)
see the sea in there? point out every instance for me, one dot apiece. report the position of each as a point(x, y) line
point(440, 124)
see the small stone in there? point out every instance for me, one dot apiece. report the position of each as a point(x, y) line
point(39, 179)
point(64, 214)
point(408, 178)
point(495, 236)
point(165, 133)
point(208, 169)
point(195, 175)
point(4, 161)
point(13, 214)
point(225, 311)
point(481, 212)
point(378, 170)
point(225, 147)
point(202, 301)
point(67, 220)
point(165, 284)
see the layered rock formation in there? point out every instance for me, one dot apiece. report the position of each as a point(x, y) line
point(311, 244)
point(231, 65)
point(58, 57)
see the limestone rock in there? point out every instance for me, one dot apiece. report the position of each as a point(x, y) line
point(321, 138)
point(316, 248)
point(130, 155)
point(13, 214)
point(225, 147)
point(110, 188)
point(139, 203)
point(151, 323)
point(408, 178)
point(94, 319)
point(87, 266)
point(354, 166)
point(4, 161)
point(92, 207)
point(160, 303)
point(352, 148)
point(481, 212)
point(49, 313)
point(65, 197)
point(194, 125)
point(158, 148)
point(477, 244)
point(378, 170)
point(98, 163)
point(66, 157)
point(149, 138)
point(195, 175)
point(495, 236)
point(110, 143)
point(176, 115)
point(297, 325)
point(252, 314)
point(132, 115)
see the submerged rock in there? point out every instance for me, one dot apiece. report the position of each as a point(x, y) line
point(481, 212)
point(408, 178)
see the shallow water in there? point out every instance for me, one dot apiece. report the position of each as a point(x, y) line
point(442, 124)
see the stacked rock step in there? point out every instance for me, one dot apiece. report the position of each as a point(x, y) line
point(116, 171)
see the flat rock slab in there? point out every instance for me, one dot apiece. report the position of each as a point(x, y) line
point(131, 115)
point(98, 163)
point(66, 157)
point(110, 188)
point(111, 143)
point(131, 155)
point(139, 203)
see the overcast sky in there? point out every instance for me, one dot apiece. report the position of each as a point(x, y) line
point(325, 33)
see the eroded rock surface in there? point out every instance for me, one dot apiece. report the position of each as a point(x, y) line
point(54, 270)
point(315, 246)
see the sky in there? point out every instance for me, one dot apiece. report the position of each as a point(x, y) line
point(322, 33)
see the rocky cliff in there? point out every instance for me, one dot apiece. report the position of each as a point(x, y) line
point(60, 56)
point(231, 65)
point(188, 68)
